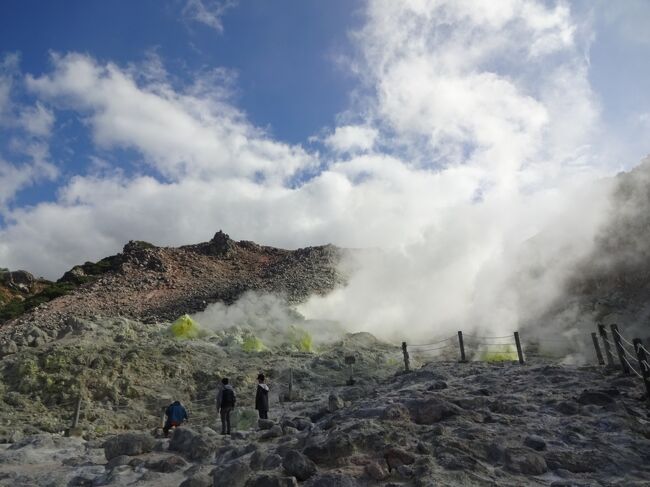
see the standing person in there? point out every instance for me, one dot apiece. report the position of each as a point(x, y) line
point(262, 397)
point(176, 415)
point(225, 404)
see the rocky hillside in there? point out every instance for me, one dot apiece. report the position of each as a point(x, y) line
point(446, 424)
point(612, 284)
point(152, 284)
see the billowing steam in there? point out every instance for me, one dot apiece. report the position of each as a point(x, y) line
point(268, 318)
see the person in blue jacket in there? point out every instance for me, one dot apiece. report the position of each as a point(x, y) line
point(176, 415)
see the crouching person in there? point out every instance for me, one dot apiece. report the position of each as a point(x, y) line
point(225, 404)
point(176, 416)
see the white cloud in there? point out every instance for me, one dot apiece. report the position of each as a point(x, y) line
point(179, 133)
point(37, 120)
point(208, 12)
point(352, 138)
point(15, 177)
point(27, 128)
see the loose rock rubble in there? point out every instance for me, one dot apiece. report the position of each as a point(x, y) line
point(397, 431)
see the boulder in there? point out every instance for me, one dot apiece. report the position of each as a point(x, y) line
point(265, 424)
point(396, 457)
point(437, 385)
point(585, 461)
point(303, 424)
point(599, 398)
point(199, 480)
point(128, 444)
point(335, 447)
point(431, 410)
point(21, 281)
point(192, 445)
point(8, 347)
point(117, 461)
point(167, 465)
point(334, 403)
point(274, 432)
point(525, 461)
point(298, 465)
point(568, 407)
point(272, 461)
point(257, 460)
point(234, 474)
point(376, 471)
point(331, 480)
point(396, 412)
point(266, 480)
point(535, 442)
point(36, 337)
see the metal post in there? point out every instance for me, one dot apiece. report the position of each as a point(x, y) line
point(599, 354)
point(608, 350)
point(519, 352)
point(461, 344)
point(619, 349)
point(644, 365)
point(407, 367)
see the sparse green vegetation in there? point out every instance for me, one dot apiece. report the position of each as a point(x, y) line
point(16, 307)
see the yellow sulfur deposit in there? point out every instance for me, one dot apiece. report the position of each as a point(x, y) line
point(499, 353)
point(301, 339)
point(252, 344)
point(185, 328)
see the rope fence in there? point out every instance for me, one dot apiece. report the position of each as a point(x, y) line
point(633, 359)
point(633, 355)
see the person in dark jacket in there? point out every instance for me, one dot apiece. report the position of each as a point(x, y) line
point(262, 398)
point(176, 415)
point(225, 404)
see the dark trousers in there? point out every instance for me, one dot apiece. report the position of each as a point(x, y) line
point(225, 420)
point(263, 414)
point(168, 426)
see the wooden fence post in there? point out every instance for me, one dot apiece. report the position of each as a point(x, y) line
point(407, 367)
point(74, 429)
point(520, 354)
point(291, 384)
point(350, 360)
point(644, 365)
point(461, 344)
point(619, 349)
point(599, 354)
point(608, 350)
point(77, 412)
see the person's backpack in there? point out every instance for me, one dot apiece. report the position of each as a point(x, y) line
point(228, 398)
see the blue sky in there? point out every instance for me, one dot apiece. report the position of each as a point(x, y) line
point(290, 122)
point(284, 57)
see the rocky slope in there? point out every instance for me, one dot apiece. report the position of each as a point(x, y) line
point(612, 284)
point(445, 424)
point(153, 284)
